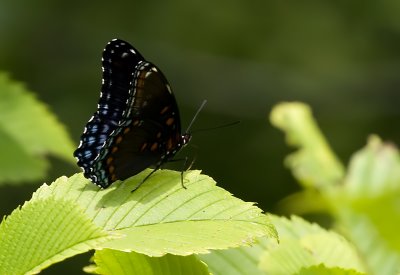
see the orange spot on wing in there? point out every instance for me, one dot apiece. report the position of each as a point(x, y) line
point(118, 140)
point(166, 108)
point(154, 146)
point(109, 160)
point(144, 145)
point(169, 144)
point(169, 121)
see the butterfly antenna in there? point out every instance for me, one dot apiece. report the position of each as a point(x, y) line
point(195, 116)
point(217, 127)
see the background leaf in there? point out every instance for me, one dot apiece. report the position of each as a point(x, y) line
point(323, 270)
point(303, 244)
point(113, 262)
point(363, 203)
point(28, 131)
point(237, 261)
point(16, 164)
point(367, 205)
point(314, 164)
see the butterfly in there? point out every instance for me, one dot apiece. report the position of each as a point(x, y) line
point(137, 122)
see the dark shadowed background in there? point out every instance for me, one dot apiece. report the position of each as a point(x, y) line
point(341, 57)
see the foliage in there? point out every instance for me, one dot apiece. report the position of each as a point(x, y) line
point(28, 131)
point(45, 231)
point(162, 228)
point(117, 262)
point(159, 218)
point(363, 201)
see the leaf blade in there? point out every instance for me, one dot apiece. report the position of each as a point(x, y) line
point(31, 126)
point(159, 203)
point(314, 164)
point(43, 232)
point(117, 262)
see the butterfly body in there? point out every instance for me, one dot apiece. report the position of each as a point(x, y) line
point(137, 122)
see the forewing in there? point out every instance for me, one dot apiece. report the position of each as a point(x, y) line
point(119, 64)
point(151, 129)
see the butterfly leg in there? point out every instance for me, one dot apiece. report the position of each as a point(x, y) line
point(183, 167)
point(186, 168)
point(182, 171)
point(148, 176)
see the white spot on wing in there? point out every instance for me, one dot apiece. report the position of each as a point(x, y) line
point(168, 88)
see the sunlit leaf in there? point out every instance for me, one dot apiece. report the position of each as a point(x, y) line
point(364, 203)
point(323, 270)
point(162, 217)
point(367, 205)
point(303, 245)
point(378, 255)
point(113, 262)
point(314, 164)
point(45, 231)
point(237, 261)
point(374, 171)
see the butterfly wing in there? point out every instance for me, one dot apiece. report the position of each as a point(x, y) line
point(152, 131)
point(137, 123)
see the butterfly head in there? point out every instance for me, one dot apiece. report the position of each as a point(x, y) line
point(186, 138)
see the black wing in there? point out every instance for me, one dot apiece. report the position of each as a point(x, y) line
point(137, 123)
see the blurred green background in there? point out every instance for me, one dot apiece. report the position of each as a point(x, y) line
point(341, 57)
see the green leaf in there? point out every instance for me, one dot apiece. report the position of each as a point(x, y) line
point(367, 205)
point(305, 201)
point(187, 236)
point(45, 231)
point(303, 245)
point(30, 131)
point(237, 261)
point(162, 217)
point(364, 203)
point(323, 270)
point(314, 164)
point(16, 163)
point(379, 257)
point(374, 171)
point(113, 262)
point(72, 216)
